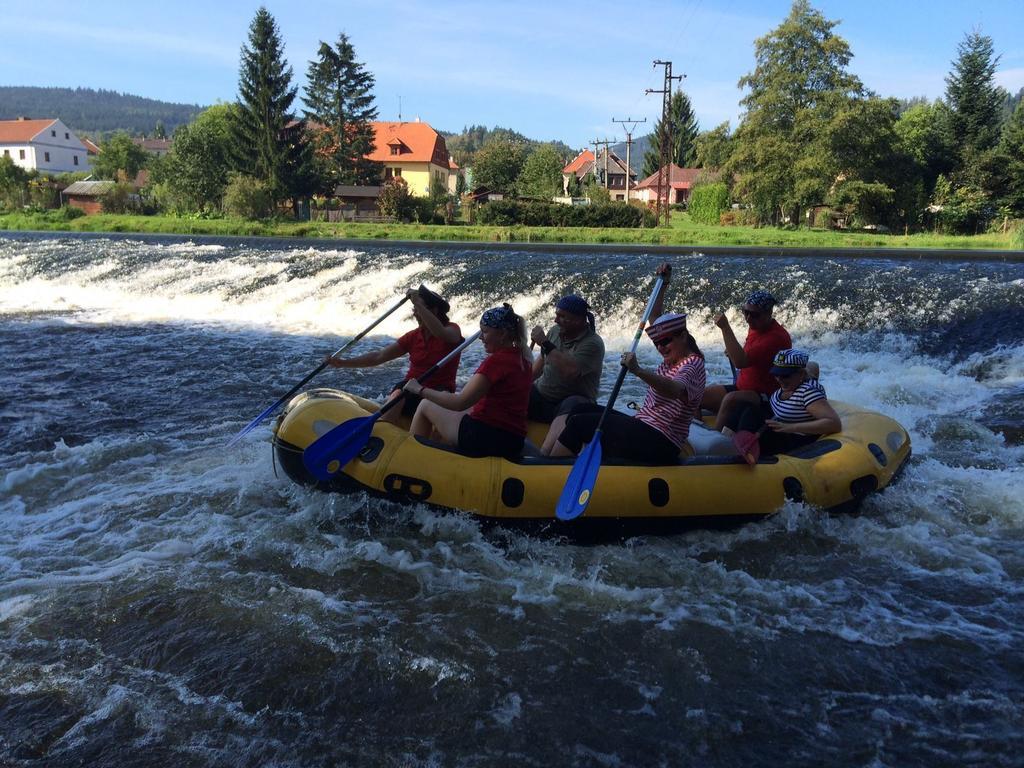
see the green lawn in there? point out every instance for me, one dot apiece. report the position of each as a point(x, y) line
point(682, 232)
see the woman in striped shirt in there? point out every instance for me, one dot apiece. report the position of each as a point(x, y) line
point(800, 411)
point(660, 428)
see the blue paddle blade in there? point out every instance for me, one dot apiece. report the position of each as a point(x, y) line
point(252, 424)
point(579, 486)
point(325, 457)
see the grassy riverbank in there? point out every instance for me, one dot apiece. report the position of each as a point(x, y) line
point(682, 232)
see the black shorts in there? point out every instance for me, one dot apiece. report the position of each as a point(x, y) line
point(479, 439)
point(765, 399)
point(545, 410)
point(411, 401)
point(622, 436)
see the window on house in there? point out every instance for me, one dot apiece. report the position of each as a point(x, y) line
point(398, 172)
point(7, 153)
point(388, 174)
point(75, 158)
point(46, 157)
point(54, 134)
point(395, 149)
point(21, 154)
point(67, 135)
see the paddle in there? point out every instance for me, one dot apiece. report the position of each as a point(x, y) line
point(332, 451)
point(748, 444)
point(284, 398)
point(579, 486)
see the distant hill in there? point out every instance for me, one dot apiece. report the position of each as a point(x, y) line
point(463, 146)
point(94, 112)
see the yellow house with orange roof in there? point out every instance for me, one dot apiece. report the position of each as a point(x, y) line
point(412, 151)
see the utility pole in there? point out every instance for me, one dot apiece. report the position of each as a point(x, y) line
point(629, 142)
point(666, 137)
point(597, 143)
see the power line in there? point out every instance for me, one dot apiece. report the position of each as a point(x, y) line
point(666, 136)
point(629, 142)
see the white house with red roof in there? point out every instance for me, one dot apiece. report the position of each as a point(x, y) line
point(676, 185)
point(47, 146)
point(414, 152)
point(608, 168)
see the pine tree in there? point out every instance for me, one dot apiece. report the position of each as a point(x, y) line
point(684, 136)
point(268, 143)
point(974, 100)
point(1011, 149)
point(339, 99)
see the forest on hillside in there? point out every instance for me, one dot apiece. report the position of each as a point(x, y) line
point(96, 113)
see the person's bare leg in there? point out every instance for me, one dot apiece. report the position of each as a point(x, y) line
point(553, 432)
point(731, 402)
point(558, 451)
point(422, 421)
point(712, 399)
point(392, 416)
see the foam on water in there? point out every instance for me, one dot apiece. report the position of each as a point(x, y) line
point(143, 568)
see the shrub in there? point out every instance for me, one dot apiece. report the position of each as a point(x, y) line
point(1018, 236)
point(506, 213)
point(120, 198)
point(395, 200)
point(69, 212)
point(247, 198)
point(708, 202)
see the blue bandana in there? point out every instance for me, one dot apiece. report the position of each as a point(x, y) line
point(576, 305)
point(573, 304)
point(761, 300)
point(500, 317)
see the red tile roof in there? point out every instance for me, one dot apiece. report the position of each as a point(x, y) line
point(584, 157)
point(22, 130)
point(679, 178)
point(418, 142)
point(90, 146)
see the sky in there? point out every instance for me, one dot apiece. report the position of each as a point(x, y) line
point(550, 70)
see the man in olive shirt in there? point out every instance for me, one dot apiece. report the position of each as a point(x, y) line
point(568, 370)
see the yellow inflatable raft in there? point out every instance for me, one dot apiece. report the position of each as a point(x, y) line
point(835, 472)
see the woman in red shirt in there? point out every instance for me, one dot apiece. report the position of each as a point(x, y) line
point(433, 337)
point(487, 417)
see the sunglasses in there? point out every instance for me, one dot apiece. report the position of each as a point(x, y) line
point(664, 342)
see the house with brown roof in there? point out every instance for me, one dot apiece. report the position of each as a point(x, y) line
point(608, 168)
point(414, 152)
point(158, 147)
point(47, 146)
point(676, 186)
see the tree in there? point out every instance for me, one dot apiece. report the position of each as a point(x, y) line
point(13, 183)
point(119, 155)
point(975, 101)
point(339, 100)
point(683, 123)
point(395, 200)
point(712, 148)
point(267, 142)
point(798, 85)
point(1011, 149)
point(542, 173)
point(195, 172)
point(159, 132)
point(498, 165)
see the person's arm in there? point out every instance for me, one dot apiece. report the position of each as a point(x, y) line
point(665, 270)
point(826, 421)
point(477, 386)
point(537, 339)
point(733, 348)
point(664, 386)
point(538, 366)
point(392, 351)
point(448, 333)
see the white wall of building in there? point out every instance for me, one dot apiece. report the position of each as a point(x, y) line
point(55, 149)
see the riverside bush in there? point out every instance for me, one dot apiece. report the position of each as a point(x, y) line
point(708, 202)
point(247, 198)
point(506, 213)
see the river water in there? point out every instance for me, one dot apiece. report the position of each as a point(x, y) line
point(165, 601)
